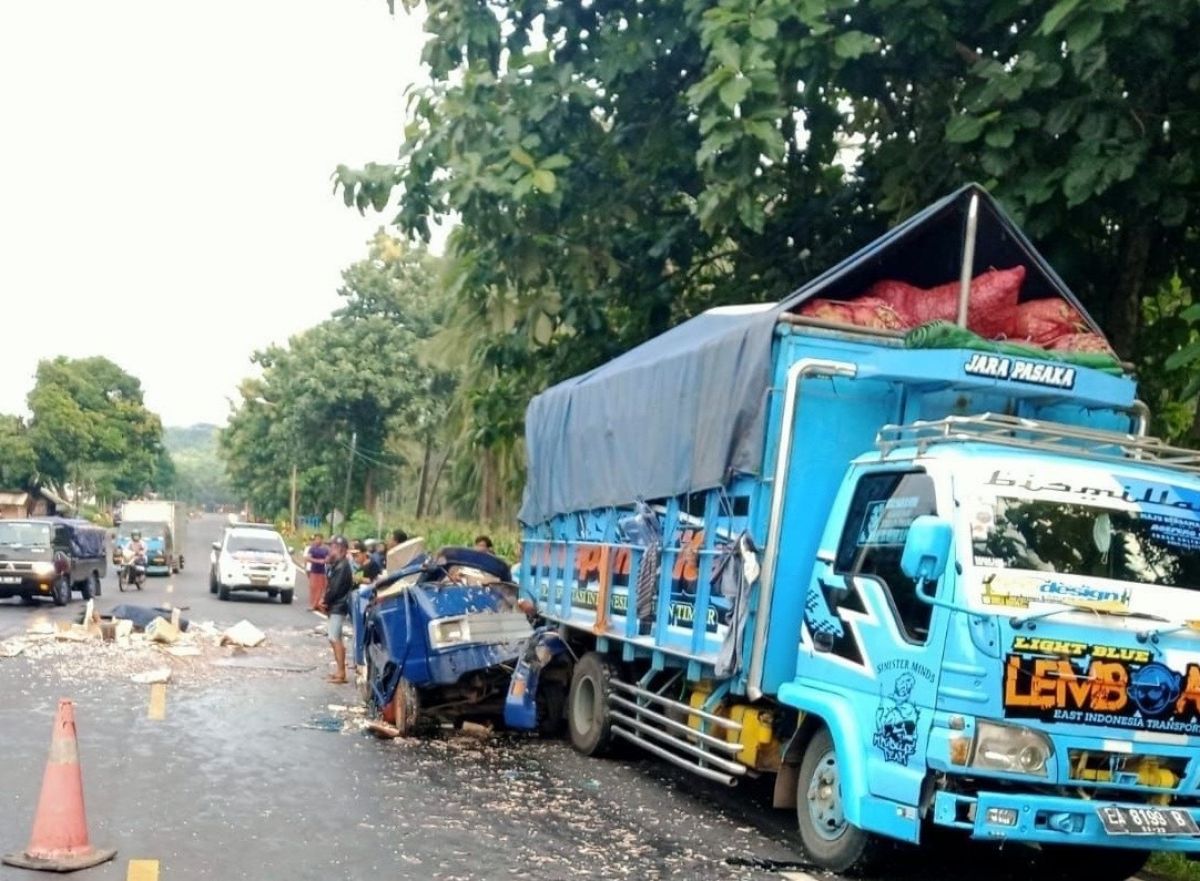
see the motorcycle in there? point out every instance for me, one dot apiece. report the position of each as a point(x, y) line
point(132, 574)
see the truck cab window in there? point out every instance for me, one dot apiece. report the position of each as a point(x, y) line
point(883, 507)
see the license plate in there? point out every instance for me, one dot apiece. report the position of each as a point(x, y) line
point(9, 579)
point(254, 580)
point(1147, 821)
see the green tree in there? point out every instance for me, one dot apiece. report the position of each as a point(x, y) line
point(619, 166)
point(353, 389)
point(90, 428)
point(18, 459)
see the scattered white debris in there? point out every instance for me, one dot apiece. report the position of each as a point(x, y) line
point(244, 634)
point(151, 676)
point(184, 651)
point(162, 630)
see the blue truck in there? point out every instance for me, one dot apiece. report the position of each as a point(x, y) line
point(946, 586)
point(435, 641)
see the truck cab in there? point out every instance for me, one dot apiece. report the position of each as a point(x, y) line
point(1040, 681)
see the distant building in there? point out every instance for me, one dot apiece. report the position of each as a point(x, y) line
point(37, 502)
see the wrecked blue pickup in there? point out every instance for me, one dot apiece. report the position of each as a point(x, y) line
point(437, 640)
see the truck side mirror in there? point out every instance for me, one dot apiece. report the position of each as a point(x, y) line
point(926, 551)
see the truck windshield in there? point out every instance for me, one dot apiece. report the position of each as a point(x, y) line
point(148, 530)
point(255, 544)
point(24, 535)
point(1069, 538)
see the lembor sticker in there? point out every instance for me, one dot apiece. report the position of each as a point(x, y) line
point(1087, 684)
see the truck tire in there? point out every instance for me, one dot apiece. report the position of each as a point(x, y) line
point(222, 591)
point(828, 839)
point(1094, 863)
point(61, 592)
point(212, 582)
point(404, 711)
point(588, 722)
point(286, 596)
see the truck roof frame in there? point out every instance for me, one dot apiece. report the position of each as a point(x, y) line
point(1043, 436)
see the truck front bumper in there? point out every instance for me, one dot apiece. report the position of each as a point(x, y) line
point(1047, 819)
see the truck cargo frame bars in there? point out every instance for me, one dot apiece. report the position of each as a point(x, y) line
point(802, 369)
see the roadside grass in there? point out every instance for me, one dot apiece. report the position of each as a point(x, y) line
point(1173, 866)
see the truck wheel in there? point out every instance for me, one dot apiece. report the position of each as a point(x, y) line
point(212, 582)
point(222, 591)
point(61, 592)
point(828, 839)
point(1094, 863)
point(587, 705)
point(286, 596)
point(405, 708)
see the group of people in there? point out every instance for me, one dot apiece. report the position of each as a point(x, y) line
point(334, 570)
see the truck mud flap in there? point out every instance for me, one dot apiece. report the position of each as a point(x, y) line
point(704, 754)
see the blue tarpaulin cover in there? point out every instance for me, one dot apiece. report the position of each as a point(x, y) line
point(685, 410)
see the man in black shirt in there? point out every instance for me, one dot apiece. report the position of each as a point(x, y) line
point(369, 568)
point(339, 582)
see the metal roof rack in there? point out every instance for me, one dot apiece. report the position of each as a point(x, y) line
point(1032, 434)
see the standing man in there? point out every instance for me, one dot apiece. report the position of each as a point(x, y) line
point(315, 557)
point(339, 582)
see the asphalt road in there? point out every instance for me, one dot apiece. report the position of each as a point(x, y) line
point(257, 770)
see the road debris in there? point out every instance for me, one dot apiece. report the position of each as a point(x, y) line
point(162, 630)
point(244, 634)
point(163, 674)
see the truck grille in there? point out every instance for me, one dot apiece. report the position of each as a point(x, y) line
point(14, 566)
point(1101, 768)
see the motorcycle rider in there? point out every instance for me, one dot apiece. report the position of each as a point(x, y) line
point(136, 551)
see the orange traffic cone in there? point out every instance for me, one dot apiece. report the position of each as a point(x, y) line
point(59, 842)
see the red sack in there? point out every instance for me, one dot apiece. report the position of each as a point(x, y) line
point(863, 312)
point(1045, 321)
point(990, 309)
point(1081, 342)
point(874, 312)
point(828, 310)
point(992, 306)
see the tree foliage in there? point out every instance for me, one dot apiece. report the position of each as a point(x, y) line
point(18, 459)
point(90, 428)
point(618, 166)
point(200, 473)
point(352, 389)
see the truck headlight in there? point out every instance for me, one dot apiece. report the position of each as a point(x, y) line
point(446, 632)
point(1011, 748)
point(42, 568)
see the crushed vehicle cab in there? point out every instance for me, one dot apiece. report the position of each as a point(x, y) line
point(436, 640)
point(252, 558)
point(50, 557)
point(921, 575)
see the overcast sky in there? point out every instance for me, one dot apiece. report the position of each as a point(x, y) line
point(166, 197)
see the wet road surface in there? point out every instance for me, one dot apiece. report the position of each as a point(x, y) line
point(259, 770)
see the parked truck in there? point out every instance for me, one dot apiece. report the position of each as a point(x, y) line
point(163, 527)
point(923, 578)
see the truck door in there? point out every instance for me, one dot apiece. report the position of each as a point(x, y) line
point(868, 637)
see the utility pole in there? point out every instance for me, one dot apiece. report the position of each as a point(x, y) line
point(349, 472)
point(293, 496)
